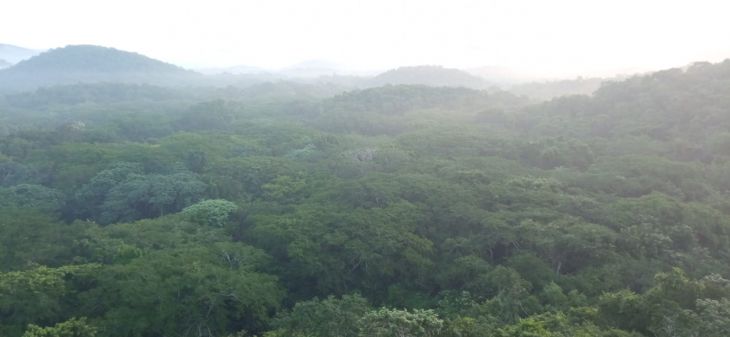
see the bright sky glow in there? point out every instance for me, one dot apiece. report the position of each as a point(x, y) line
point(557, 38)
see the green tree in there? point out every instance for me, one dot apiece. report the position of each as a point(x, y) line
point(210, 212)
point(75, 327)
point(195, 289)
point(330, 317)
point(36, 296)
point(714, 317)
point(31, 196)
point(386, 322)
point(150, 196)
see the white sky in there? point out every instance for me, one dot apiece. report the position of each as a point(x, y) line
point(545, 37)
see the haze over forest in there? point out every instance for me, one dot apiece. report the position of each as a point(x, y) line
point(556, 39)
point(364, 169)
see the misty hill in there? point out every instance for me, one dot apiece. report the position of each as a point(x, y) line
point(4, 64)
point(435, 76)
point(14, 54)
point(503, 75)
point(311, 69)
point(397, 99)
point(90, 64)
point(688, 107)
point(543, 91)
point(685, 103)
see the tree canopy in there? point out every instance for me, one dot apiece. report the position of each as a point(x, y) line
point(402, 210)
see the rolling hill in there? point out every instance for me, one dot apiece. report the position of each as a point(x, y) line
point(91, 64)
point(434, 76)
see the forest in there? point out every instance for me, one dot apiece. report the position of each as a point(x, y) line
point(288, 209)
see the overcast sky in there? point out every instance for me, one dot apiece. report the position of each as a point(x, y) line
point(562, 38)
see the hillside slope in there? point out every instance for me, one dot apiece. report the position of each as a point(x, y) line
point(14, 54)
point(88, 64)
point(435, 76)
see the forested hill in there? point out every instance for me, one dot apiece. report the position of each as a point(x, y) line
point(285, 210)
point(87, 63)
point(676, 105)
point(547, 90)
point(430, 75)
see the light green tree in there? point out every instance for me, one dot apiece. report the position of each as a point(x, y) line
point(214, 212)
point(75, 327)
point(386, 322)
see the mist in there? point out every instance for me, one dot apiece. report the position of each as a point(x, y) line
point(531, 39)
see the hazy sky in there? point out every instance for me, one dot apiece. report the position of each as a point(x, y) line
point(547, 37)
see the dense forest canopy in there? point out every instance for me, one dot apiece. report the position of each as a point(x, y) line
point(317, 210)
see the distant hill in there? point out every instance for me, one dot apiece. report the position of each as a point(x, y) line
point(682, 104)
point(233, 70)
point(14, 54)
point(543, 91)
point(91, 64)
point(398, 99)
point(503, 76)
point(4, 64)
point(434, 76)
point(311, 69)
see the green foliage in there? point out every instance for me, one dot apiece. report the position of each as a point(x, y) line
point(210, 212)
point(386, 322)
point(31, 196)
point(122, 193)
point(283, 188)
point(714, 317)
point(330, 317)
point(260, 210)
point(194, 289)
point(71, 328)
point(30, 236)
point(102, 93)
point(36, 295)
point(12, 173)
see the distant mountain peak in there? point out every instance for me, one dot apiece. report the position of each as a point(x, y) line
point(95, 58)
point(88, 64)
point(430, 75)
